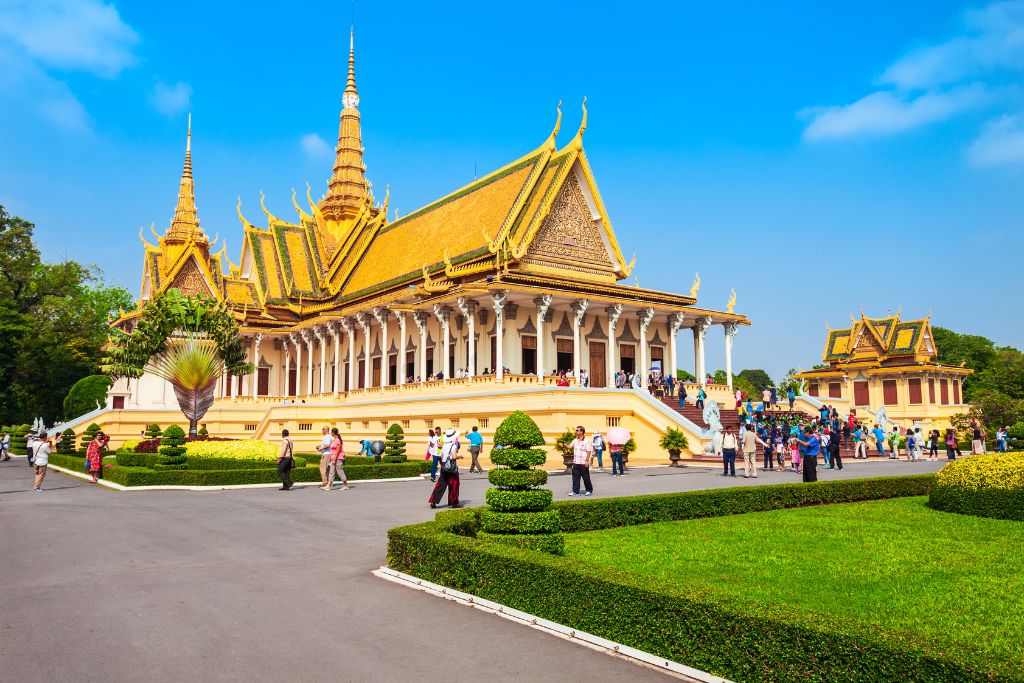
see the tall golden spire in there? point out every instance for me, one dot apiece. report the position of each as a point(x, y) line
point(185, 223)
point(347, 190)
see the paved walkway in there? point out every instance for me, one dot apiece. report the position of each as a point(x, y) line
point(266, 585)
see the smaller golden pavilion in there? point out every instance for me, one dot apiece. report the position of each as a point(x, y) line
point(887, 362)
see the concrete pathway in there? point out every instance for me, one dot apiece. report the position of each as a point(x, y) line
point(100, 585)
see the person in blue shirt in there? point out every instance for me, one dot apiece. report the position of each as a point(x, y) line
point(365, 448)
point(791, 395)
point(879, 439)
point(811, 446)
point(476, 447)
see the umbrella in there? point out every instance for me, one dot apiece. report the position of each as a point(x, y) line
point(617, 436)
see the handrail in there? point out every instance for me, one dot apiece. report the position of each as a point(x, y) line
point(81, 419)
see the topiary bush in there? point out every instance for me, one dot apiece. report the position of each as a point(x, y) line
point(519, 513)
point(203, 432)
point(87, 436)
point(172, 450)
point(85, 394)
point(66, 445)
point(153, 431)
point(982, 485)
point(394, 444)
point(19, 439)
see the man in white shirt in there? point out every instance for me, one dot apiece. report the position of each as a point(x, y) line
point(324, 449)
point(41, 457)
point(582, 454)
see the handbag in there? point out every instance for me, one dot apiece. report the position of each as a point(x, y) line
point(450, 465)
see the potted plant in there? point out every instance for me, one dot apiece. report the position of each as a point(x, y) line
point(673, 441)
point(562, 445)
point(628, 448)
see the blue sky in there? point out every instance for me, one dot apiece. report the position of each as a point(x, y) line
point(818, 158)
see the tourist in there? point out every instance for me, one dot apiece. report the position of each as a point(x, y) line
point(779, 447)
point(933, 445)
point(860, 447)
point(769, 454)
point(562, 381)
point(476, 446)
point(337, 462)
point(749, 444)
point(5, 446)
point(894, 444)
point(670, 385)
point(701, 395)
point(615, 450)
point(582, 453)
point(826, 455)
point(794, 452)
point(739, 398)
point(911, 446)
point(285, 461)
point(41, 457)
point(448, 454)
point(812, 446)
point(30, 444)
point(774, 397)
point(434, 451)
point(682, 394)
point(977, 438)
point(1002, 436)
point(728, 453)
point(880, 439)
point(951, 445)
point(599, 450)
point(635, 381)
point(324, 449)
point(834, 448)
point(94, 454)
point(584, 378)
point(791, 395)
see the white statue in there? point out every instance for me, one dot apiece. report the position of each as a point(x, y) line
point(882, 417)
point(713, 417)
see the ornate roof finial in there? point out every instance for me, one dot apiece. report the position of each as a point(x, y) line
point(185, 223)
point(558, 126)
point(578, 140)
point(350, 85)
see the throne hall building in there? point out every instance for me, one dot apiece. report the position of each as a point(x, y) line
point(490, 288)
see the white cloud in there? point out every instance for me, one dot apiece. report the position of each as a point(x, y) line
point(1001, 143)
point(29, 93)
point(993, 39)
point(315, 146)
point(86, 35)
point(170, 99)
point(886, 113)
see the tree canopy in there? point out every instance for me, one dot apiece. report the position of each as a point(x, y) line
point(996, 389)
point(53, 324)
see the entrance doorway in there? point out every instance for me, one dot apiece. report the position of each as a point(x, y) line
point(291, 382)
point(597, 365)
point(410, 366)
point(627, 358)
point(564, 355)
point(529, 366)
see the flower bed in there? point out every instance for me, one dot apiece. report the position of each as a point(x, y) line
point(739, 639)
point(983, 485)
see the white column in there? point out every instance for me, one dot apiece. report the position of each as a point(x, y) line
point(498, 298)
point(256, 363)
point(350, 330)
point(308, 338)
point(336, 338)
point(644, 319)
point(381, 314)
point(321, 338)
point(675, 321)
point(700, 331)
point(613, 311)
point(287, 365)
point(444, 315)
point(400, 368)
point(420, 318)
point(579, 310)
point(468, 309)
point(297, 341)
point(543, 304)
point(696, 354)
point(364, 322)
point(730, 335)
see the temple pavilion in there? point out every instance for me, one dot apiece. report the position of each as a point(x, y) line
point(518, 274)
point(887, 362)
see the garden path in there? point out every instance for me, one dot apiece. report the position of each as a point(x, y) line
point(267, 585)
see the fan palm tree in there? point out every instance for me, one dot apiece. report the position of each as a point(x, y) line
point(188, 341)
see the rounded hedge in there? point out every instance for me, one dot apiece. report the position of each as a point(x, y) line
point(545, 543)
point(982, 485)
point(517, 479)
point(85, 394)
point(506, 501)
point(172, 450)
point(544, 522)
point(518, 431)
point(516, 458)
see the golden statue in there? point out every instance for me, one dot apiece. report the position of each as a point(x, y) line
point(732, 302)
point(695, 286)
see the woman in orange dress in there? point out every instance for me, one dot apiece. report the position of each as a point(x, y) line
point(94, 455)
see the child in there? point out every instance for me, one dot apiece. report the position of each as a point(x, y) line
point(911, 446)
point(794, 453)
point(780, 453)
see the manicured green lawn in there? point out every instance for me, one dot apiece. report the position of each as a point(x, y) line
point(895, 564)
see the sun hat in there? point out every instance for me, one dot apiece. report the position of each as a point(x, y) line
point(451, 433)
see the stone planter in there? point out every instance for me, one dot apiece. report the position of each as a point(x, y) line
point(567, 461)
point(674, 457)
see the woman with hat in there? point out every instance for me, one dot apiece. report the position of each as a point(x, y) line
point(94, 455)
point(449, 471)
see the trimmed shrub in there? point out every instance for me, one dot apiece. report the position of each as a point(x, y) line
point(394, 444)
point(66, 445)
point(516, 507)
point(19, 439)
point(85, 394)
point(153, 431)
point(172, 450)
point(87, 436)
point(674, 622)
point(982, 485)
point(203, 432)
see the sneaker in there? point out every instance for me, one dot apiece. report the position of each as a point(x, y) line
point(433, 505)
point(40, 489)
point(589, 493)
point(574, 494)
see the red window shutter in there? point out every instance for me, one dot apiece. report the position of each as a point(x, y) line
point(931, 391)
point(860, 393)
point(813, 389)
point(835, 389)
point(889, 396)
point(944, 391)
point(956, 391)
point(914, 385)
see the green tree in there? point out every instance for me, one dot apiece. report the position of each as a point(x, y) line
point(85, 394)
point(757, 378)
point(189, 341)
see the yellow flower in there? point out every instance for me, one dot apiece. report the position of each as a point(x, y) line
point(247, 449)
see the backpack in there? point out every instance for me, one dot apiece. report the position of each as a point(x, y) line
point(598, 441)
